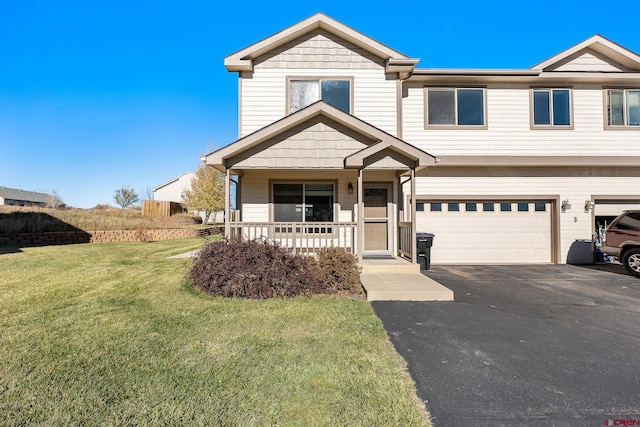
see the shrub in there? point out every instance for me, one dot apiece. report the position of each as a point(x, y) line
point(251, 269)
point(260, 269)
point(338, 271)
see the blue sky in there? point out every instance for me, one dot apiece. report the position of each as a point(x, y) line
point(95, 96)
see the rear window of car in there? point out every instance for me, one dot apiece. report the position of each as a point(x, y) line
point(630, 221)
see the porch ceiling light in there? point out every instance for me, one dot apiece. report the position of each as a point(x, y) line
point(350, 188)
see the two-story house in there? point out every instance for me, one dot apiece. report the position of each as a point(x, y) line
point(343, 141)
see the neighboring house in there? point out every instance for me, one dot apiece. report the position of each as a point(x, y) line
point(173, 191)
point(344, 141)
point(16, 197)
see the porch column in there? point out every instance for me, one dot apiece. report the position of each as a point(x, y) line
point(414, 239)
point(360, 217)
point(227, 203)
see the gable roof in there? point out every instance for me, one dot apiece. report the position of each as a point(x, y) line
point(23, 195)
point(242, 60)
point(174, 179)
point(384, 140)
point(598, 44)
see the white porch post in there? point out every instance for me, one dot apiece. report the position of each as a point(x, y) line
point(227, 203)
point(360, 217)
point(414, 239)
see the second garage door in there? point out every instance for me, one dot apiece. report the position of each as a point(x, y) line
point(489, 232)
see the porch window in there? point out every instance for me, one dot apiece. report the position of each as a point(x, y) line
point(303, 202)
point(332, 91)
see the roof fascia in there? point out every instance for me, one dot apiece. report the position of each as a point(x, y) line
point(173, 180)
point(242, 60)
point(422, 159)
point(599, 44)
point(218, 157)
point(534, 78)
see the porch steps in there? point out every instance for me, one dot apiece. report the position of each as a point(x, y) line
point(399, 280)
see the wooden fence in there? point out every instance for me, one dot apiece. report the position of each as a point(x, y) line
point(161, 208)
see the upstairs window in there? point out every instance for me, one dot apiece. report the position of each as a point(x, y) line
point(623, 107)
point(551, 107)
point(451, 107)
point(332, 91)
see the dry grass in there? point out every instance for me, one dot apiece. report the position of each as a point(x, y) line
point(14, 220)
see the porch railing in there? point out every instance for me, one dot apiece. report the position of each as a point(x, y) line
point(405, 242)
point(301, 237)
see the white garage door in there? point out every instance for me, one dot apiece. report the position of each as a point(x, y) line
point(615, 207)
point(489, 232)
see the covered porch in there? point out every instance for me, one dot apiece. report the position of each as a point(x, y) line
point(323, 178)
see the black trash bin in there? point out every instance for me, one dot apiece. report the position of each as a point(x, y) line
point(423, 249)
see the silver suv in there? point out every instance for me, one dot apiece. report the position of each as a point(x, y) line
point(622, 240)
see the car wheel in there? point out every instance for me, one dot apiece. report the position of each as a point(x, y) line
point(631, 261)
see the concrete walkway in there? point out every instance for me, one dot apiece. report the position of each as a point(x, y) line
point(395, 279)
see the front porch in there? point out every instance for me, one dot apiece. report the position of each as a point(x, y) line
point(319, 178)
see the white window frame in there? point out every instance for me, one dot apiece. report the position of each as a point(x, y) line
point(455, 125)
point(551, 125)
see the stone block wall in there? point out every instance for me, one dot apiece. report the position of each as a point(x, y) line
point(72, 237)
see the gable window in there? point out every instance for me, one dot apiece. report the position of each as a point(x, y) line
point(551, 107)
point(447, 106)
point(303, 202)
point(623, 107)
point(335, 92)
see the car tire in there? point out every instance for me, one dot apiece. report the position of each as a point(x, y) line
point(631, 261)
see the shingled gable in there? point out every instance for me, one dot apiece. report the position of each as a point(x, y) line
point(396, 62)
point(384, 141)
point(598, 45)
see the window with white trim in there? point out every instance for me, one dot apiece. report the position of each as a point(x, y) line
point(303, 202)
point(551, 107)
point(336, 92)
point(623, 107)
point(448, 106)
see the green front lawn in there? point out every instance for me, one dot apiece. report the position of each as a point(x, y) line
point(110, 334)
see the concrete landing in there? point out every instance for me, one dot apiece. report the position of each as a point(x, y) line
point(398, 280)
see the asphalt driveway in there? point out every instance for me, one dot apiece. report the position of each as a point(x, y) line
point(548, 345)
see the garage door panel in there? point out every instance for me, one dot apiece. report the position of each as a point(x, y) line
point(611, 208)
point(488, 237)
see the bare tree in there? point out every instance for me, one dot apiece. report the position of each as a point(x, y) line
point(126, 197)
point(54, 201)
point(207, 191)
point(147, 193)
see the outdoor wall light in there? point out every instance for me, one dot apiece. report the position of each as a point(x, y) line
point(588, 204)
point(565, 205)
point(350, 188)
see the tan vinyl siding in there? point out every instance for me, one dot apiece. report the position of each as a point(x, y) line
point(319, 143)
point(573, 184)
point(509, 133)
point(319, 50)
point(255, 191)
point(319, 55)
point(589, 61)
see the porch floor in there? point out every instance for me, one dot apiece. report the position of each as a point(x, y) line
point(387, 278)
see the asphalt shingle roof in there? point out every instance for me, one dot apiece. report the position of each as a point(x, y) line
point(28, 196)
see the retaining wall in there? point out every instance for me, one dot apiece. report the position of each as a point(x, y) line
point(72, 237)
